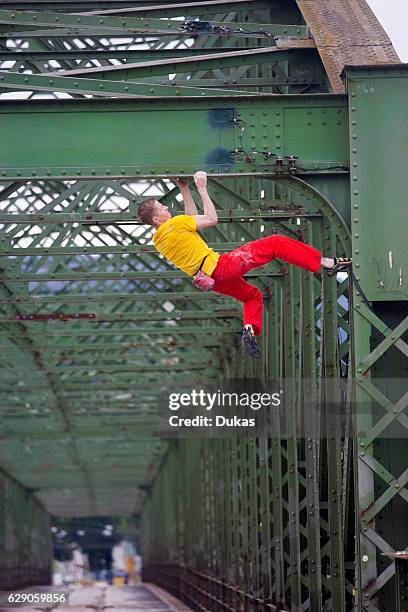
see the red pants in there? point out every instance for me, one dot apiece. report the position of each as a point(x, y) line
point(232, 266)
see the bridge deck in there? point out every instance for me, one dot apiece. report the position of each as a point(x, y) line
point(138, 598)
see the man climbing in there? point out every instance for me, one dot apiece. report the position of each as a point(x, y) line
point(177, 238)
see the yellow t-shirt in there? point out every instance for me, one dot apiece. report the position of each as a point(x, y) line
point(178, 240)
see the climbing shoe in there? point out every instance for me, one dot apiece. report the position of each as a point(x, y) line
point(341, 264)
point(250, 343)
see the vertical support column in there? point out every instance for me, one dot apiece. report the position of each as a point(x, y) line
point(276, 349)
point(332, 401)
point(311, 412)
point(292, 454)
point(366, 563)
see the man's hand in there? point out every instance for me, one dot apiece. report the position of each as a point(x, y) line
point(209, 217)
point(200, 179)
point(182, 183)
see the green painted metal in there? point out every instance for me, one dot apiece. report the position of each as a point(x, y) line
point(372, 119)
point(221, 138)
point(92, 87)
point(25, 541)
point(125, 26)
point(380, 323)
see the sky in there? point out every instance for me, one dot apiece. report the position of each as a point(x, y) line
point(393, 16)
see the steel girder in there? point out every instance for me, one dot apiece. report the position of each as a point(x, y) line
point(380, 331)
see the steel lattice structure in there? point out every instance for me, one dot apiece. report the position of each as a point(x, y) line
point(104, 103)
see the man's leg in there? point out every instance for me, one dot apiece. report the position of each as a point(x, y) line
point(259, 252)
point(250, 296)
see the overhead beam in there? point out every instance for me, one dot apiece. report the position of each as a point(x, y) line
point(137, 331)
point(177, 9)
point(124, 218)
point(137, 367)
point(40, 82)
point(225, 137)
point(125, 26)
point(225, 59)
point(174, 315)
point(205, 87)
point(81, 350)
point(100, 5)
point(96, 298)
point(91, 275)
point(94, 250)
point(35, 55)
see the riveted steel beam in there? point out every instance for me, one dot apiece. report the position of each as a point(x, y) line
point(113, 5)
point(222, 87)
point(169, 330)
point(97, 298)
point(85, 276)
point(175, 315)
point(85, 218)
point(252, 131)
point(175, 9)
point(125, 26)
point(83, 347)
point(125, 54)
point(136, 367)
point(227, 59)
point(12, 81)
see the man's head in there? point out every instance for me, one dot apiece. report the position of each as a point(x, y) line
point(152, 212)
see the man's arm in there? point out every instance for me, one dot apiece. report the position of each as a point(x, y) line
point(209, 217)
point(189, 204)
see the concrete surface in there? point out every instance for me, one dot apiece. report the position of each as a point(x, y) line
point(99, 596)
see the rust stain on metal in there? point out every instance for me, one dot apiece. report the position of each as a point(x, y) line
point(365, 510)
point(346, 32)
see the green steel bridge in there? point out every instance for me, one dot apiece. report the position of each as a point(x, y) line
point(297, 111)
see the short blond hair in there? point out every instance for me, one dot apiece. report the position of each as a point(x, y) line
point(146, 211)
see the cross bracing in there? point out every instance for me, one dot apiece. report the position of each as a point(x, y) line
point(103, 104)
